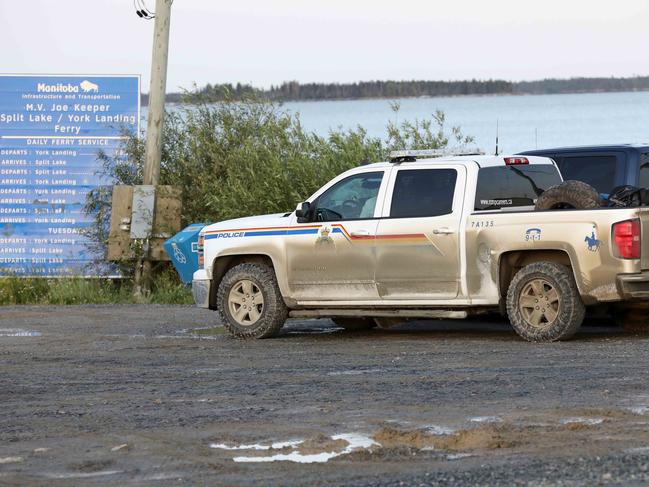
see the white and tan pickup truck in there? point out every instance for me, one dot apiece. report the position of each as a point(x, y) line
point(427, 238)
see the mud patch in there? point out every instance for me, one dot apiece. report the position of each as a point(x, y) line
point(485, 438)
point(322, 443)
point(488, 438)
point(389, 437)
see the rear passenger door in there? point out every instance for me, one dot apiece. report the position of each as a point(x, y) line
point(418, 239)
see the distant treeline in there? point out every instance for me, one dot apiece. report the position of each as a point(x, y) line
point(294, 91)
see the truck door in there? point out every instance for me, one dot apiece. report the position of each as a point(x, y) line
point(331, 257)
point(418, 238)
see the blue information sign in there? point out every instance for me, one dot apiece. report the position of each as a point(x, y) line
point(51, 130)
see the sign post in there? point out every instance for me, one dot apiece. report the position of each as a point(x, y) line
point(51, 130)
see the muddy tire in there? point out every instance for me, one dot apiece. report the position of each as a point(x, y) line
point(354, 324)
point(250, 303)
point(569, 195)
point(543, 303)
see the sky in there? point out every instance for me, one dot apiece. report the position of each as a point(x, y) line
point(264, 42)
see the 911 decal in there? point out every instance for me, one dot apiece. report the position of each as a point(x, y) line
point(533, 234)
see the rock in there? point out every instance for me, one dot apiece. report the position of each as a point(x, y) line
point(120, 447)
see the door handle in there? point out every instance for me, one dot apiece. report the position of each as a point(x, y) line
point(360, 233)
point(443, 231)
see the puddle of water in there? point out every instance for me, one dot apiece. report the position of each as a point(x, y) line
point(354, 441)
point(17, 332)
point(202, 399)
point(355, 372)
point(436, 429)
point(256, 446)
point(486, 419)
point(458, 456)
point(81, 475)
point(207, 332)
point(314, 331)
point(6, 460)
point(641, 449)
point(641, 410)
point(579, 420)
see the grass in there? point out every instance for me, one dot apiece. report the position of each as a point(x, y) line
point(14, 290)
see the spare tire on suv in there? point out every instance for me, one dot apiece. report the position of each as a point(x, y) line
point(573, 195)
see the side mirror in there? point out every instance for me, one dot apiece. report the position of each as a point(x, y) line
point(302, 211)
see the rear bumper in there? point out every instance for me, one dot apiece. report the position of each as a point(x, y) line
point(201, 289)
point(633, 286)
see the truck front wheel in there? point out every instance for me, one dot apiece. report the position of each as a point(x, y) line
point(250, 302)
point(543, 303)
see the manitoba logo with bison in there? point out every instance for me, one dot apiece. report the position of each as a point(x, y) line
point(86, 87)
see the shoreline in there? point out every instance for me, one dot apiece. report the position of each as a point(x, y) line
point(423, 97)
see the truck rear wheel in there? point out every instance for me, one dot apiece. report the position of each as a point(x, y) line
point(250, 303)
point(543, 303)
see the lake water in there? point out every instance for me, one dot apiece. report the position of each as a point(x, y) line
point(525, 122)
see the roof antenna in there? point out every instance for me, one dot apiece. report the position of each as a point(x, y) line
point(496, 137)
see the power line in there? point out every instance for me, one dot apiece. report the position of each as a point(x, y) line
point(143, 11)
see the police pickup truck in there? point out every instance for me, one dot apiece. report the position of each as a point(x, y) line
point(427, 237)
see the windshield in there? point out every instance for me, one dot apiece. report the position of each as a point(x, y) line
point(512, 186)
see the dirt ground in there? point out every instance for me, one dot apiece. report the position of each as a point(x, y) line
point(140, 396)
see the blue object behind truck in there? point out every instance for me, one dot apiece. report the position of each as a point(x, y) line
point(182, 248)
point(602, 166)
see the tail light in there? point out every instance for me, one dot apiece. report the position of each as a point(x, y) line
point(201, 250)
point(516, 161)
point(626, 239)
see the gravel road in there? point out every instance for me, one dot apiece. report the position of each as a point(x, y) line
point(143, 395)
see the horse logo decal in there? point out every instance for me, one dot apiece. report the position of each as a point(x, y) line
point(593, 243)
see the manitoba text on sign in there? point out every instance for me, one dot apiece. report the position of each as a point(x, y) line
point(51, 130)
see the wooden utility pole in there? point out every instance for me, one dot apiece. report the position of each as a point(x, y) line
point(155, 123)
point(157, 91)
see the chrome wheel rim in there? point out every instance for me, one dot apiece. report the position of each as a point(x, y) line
point(539, 303)
point(246, 302)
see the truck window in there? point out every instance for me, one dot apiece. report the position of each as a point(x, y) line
point(598, 171)
point(511, 186)
point(643, 178)
point(353, 198)
point(423, 192)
